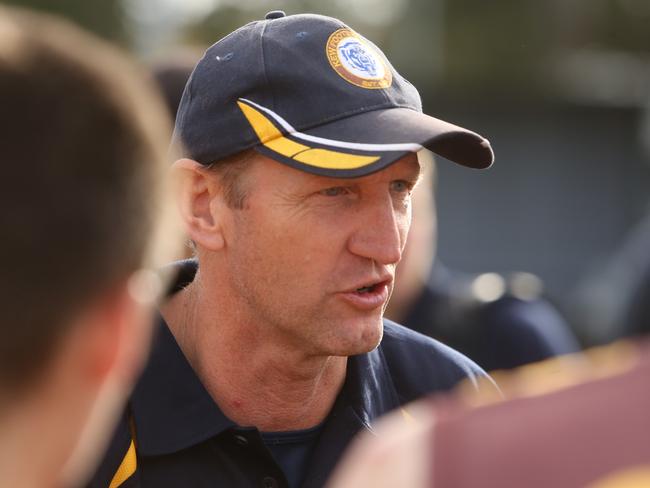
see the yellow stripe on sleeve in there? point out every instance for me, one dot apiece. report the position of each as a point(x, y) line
point(126, 469)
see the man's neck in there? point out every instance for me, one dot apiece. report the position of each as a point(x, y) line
point(255, 379)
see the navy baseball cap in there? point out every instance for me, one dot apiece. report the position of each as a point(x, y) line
point(310, 92)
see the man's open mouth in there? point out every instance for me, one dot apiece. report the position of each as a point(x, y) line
point(370, 296)
point(370, 288)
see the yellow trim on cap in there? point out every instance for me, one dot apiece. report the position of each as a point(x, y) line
point(126, 469)
point(268, 134)
point(286, 146)
point(273, 139)
point(324, 158)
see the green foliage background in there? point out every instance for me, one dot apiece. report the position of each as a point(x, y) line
point(453, 47)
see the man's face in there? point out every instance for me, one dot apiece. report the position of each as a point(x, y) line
point(311, 259)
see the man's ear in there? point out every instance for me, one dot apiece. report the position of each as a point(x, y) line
point(201, 204)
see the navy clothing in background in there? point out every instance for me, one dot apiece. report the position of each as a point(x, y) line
point(501, 334)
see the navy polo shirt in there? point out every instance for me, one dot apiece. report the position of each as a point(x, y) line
point(182, 439)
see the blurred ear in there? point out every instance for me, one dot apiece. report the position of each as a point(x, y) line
point(113, 335)
point(201, 204)
point(102, 358)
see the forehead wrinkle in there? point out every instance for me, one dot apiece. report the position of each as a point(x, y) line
point(284, 197)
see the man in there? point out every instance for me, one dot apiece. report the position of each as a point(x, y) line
point(300, 146)
point(502, 329)
point(83, 157)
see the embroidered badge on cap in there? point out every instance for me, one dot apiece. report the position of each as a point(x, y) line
point(357, 61)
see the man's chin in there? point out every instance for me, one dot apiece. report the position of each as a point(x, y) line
point(362, 337)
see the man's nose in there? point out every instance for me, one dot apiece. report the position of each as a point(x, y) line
point(380, 232)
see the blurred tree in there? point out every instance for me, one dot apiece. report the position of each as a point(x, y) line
point(510, 45)
point(229, 16)
point(103, 17)
point(620, 25)
point(462, 48)
point(216, 25)
point(492, 46)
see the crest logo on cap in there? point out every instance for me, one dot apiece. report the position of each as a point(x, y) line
point(357, 61)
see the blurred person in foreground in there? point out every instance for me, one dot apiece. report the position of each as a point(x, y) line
point(569, 422)
point(499, 323)
point(83, 155)
point(300, 155)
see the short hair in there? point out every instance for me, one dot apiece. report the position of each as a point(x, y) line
point(231, 171)
point(83, 156)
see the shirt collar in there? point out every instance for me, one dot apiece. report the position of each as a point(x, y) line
point(369, 386)
point(171, 408)
point(368, 392)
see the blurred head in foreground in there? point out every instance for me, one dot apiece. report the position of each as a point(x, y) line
point(574, 421)
point(83, 158)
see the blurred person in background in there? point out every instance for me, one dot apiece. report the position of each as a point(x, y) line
point(171, 74)
point(498, 323)
point(613, 302)
point(82, 192)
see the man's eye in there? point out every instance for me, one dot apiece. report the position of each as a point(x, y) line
point(401, 186)
point(334, 191)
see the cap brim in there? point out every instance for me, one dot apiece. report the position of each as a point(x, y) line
point(364, 143)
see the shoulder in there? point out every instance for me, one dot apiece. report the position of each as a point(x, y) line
point(587, 400)
point(503, 320)
point(420, 364)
